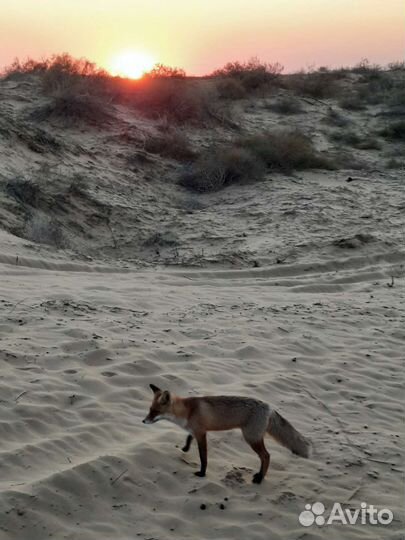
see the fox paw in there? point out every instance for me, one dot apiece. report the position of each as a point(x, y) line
point(185, 449)
point(257, 478)
point(200, 474)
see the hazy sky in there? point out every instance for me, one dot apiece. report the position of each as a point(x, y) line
point(201, 35)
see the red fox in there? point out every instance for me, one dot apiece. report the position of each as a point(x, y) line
point(197, 415)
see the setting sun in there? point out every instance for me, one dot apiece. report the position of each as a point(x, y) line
point(131, 64)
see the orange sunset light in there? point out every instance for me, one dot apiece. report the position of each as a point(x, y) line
point(131, 64)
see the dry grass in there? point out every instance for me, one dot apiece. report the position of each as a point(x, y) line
point(394, 131)
point(336, 118)
point(177, 100)
point(74, 108)
point(285, 150)
point(218, 168)
point(316, 84)
point(172, 144)
point(251, 75)
point(248, 158)
point(231, 89)
point(286, 105)
point(351, 138)
point(43, 229)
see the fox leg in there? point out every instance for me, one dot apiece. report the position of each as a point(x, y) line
point(202, 448)
point(264, 456)
point(187, 444)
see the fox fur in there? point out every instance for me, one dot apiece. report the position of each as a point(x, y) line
point(197, 415)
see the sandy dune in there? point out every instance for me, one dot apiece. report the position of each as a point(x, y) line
point(79, 349)
point(290, 290)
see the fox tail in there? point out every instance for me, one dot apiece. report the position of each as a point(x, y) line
point(285, 434)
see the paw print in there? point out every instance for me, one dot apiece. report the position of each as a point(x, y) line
point(312, 514)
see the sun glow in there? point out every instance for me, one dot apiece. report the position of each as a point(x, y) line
point(131, 64)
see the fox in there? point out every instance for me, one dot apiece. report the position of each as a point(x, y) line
point(255, 418)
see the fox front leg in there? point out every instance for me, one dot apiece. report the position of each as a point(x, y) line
point(187, 444)
point(202, 448)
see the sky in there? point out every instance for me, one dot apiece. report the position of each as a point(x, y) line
point(201, 35)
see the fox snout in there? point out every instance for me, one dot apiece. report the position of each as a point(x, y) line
point(148, 420)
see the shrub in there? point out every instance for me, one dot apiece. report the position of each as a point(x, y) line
point(317, 84)
point(18, 68)
point(60, 72)
point(160, 71)
point(353, 102)
point(286, 105)
point(253, 74)
point(230, 88)
point(335, 118)
point(285, 151)
point(218, 168)
point(393, 163)
point(248, 157)
point(73, 108)
point(351, 138)
point(171, 144)
point(43, 229)
point(24, 191)
point(178, 100)
point(394, 131)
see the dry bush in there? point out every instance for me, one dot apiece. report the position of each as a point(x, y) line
point(160, 71)
point(18, 68)
point(177, 100)
point(394, 131)
point(230, 88)
point(352, 101)
point(62, 71)
point(218, 168)
point(42, 229)
point(397, 97)
point(249, 157)
point(394, 163)
point(374, 87)
point(24, 191)
point(367, 70)
point(335, 118)
point(252, 75)
point(351, 138)
point(316, 84)
point(285, 150)
point(67, 72)
point(73, 108)
point(286, 105)
point(172, 144)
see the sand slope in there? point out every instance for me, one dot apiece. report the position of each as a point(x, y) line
point(78, 351)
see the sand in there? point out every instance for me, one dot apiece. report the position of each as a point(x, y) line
point(79, 349)
point(290, 290)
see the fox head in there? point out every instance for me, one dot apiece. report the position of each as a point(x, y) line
point(160, 407)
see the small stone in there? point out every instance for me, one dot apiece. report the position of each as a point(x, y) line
point(203, 506)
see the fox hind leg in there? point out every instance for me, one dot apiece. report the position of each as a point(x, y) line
point(187, 444)
point(260, 449)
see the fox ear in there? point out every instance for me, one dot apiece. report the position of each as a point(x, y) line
point(165, 398)
point(154, 388)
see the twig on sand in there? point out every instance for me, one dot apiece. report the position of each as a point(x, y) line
point(118, 477)
point(353, 494)
point(20, 395)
